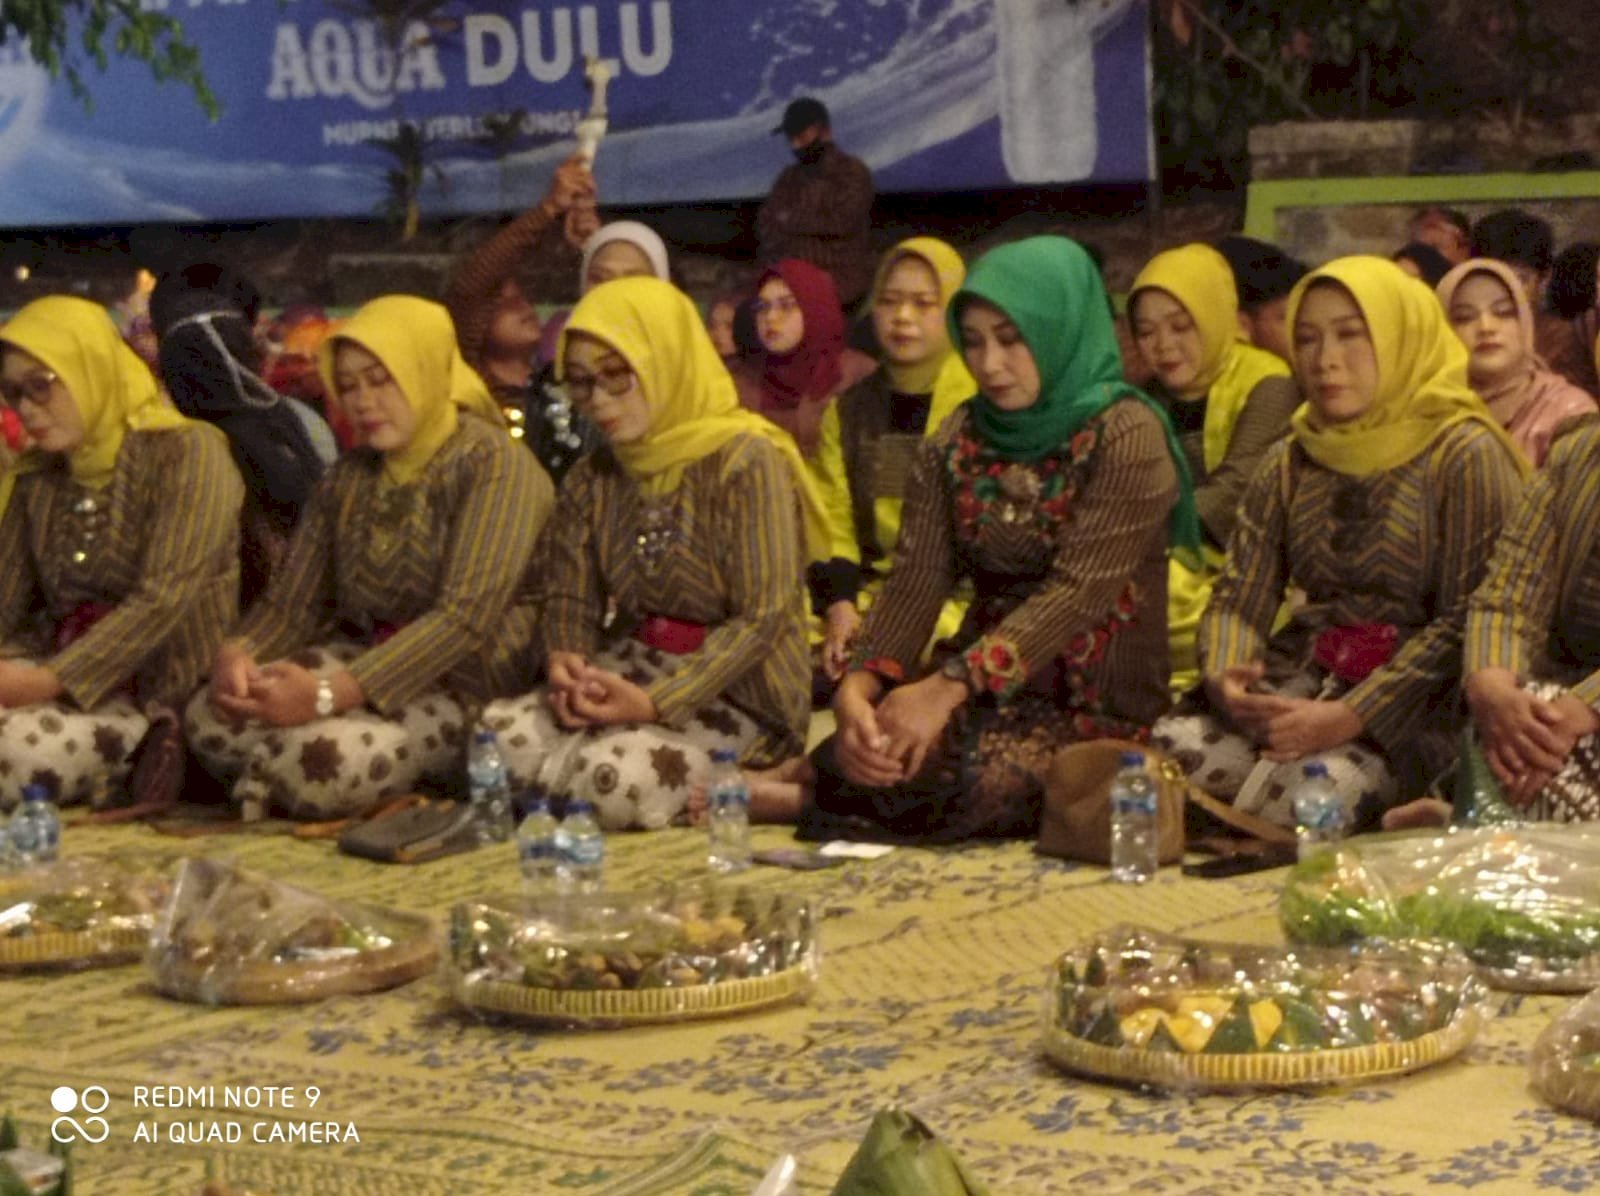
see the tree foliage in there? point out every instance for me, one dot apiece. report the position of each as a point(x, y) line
point(66, 36)
point(1221, 66)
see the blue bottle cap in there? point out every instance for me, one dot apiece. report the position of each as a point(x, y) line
point(723, 756)
point(35, 793)
point(1132, 759)
point(578, 806)
point(483, 735)
point(1315, 768)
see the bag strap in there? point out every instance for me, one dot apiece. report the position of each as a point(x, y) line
point(1256, 828)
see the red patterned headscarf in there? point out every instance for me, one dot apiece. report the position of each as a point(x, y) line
point(812, 371)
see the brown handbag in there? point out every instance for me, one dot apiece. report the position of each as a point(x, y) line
point(1075, 822)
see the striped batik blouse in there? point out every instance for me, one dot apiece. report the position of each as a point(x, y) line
point(157, 550)
point(426, 573)
point(724, 550)
point(1538, 611)
point(1070, 551)
point(1406, 547)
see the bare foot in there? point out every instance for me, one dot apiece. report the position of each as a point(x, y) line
point(776, 794)
point(1425, 811)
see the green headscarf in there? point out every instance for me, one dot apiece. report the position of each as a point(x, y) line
point(1051, 290)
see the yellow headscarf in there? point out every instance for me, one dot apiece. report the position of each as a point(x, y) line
point(1200, 278)
point(114, 390)
point(416, 342)
point(1422, 374)
point(944, 374)
point(694, 408)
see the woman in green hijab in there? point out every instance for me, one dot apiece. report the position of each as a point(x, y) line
point(1054, 493)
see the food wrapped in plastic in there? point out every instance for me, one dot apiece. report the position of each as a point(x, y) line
point(1566, 1059)
point(1522, 901)
point(611, 959)
point(232, 937)
point(1137, 1006)
point(86, 911)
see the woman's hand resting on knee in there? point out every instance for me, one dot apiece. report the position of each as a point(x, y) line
point(1237, 693)
point(1519, 732)
point(1308, 726)
point(281, 694)
point(585, 695)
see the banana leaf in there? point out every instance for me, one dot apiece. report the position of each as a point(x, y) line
point(901, 1156)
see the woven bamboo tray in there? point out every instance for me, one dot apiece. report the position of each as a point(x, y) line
point(602, 1008)
point(1580, 977)
point(264, 982)
point(100, 948)
point(1260, 1069)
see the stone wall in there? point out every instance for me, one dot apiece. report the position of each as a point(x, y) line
point(1427, 153)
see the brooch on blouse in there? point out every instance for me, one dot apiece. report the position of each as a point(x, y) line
point(1019, 492)
point(658, 532)
point(88, 519)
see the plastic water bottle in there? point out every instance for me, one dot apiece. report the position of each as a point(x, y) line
point(536, 847)
point(1320, 817)
point(1134, 848)
point(488, 788)
point(728, 814)
point(581, 848)
point(35, 829)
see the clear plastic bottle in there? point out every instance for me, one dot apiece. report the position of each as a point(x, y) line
point(488, 788)
point(35, 829)
point(727, 814)
point(1134, 847)
point(1320, 817)
point(581, 848)
point(537, 854)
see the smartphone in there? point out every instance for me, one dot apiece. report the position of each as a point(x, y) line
point(798, 859)
point(1275, 855)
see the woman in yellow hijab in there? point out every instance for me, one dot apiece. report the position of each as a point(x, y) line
point(121, 531)
point(1228, 400)
point(1383, 507)
point(870, 435)
point(396, 609)
point(673, 621)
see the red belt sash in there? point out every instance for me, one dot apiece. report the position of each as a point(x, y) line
point(677, 636)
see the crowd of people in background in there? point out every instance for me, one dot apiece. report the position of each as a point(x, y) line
point(1269, 515)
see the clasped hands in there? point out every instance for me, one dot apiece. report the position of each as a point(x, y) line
point(585, 695)
point(1526, 739)
point(1286, 728)
point(881, 744)
point(280, 694)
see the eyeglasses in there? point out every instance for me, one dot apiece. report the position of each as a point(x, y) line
point(776, 307)
point(35, 388)
point(614, 380)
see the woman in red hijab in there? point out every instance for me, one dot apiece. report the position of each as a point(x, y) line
point(805, 361)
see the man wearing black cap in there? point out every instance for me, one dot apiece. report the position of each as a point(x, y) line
point(820, 209)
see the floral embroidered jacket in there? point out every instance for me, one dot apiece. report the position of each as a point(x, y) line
point(1066, 557)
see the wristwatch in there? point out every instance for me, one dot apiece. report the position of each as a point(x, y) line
point(324, 705)
point(956, 668)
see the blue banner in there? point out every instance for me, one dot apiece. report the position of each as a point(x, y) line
point(933, 94)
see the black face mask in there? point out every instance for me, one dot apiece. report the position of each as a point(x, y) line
point(810, 155)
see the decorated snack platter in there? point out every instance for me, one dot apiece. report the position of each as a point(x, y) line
point(88, 911)
point(1134, 1006)
point(232, 937)
point(1523, 902)
point(610, 959)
